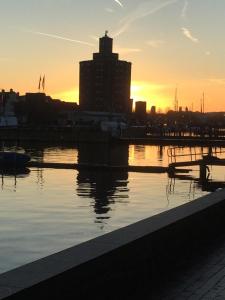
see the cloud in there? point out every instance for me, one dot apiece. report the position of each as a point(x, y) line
point(123, 50)
point(207, 53)
point(109, 10)
point(187, 33)
point(184, 10)
point(119, 2)
point(53, 36)
point(94, 37)
point(143, 10)
point(155, 43)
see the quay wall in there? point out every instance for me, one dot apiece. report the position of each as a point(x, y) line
point(116, 265)
point(84, 134)
point(59, 135)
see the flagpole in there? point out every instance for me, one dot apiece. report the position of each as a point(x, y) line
point(39, 85)
point(43, 83)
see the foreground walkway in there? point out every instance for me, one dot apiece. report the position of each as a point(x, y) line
point(202, 278)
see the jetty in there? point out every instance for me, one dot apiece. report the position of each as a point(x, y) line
point(191, 159)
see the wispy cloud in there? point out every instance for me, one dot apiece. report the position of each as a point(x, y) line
point(184, 10)
point(119, 2)
point(155, 43)
point(94, 37)
point(58, 37)
point(124, 50)
point(187, 33)
point(143, 10)
point(109, 10)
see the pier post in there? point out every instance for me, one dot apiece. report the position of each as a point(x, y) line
point(203, 172)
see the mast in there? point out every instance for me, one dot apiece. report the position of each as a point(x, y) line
point(176, 100)
point(203, 102)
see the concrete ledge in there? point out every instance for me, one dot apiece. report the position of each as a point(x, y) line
point(149, 249)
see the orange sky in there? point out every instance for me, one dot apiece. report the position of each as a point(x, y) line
point(169, 42)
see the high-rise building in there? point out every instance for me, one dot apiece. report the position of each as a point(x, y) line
point(105, 81)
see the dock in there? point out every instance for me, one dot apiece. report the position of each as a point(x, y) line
point(102, 167)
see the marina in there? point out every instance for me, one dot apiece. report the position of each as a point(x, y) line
point(45, 210)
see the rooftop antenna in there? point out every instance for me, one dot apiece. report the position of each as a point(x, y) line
point(106, 33)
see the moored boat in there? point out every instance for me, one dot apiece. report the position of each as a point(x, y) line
point(13, 159)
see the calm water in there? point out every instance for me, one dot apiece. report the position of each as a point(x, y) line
point(45, 211)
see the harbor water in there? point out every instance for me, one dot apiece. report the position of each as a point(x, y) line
point(43, 211)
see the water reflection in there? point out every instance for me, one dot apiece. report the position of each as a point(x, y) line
point(14, 174)
point(208, 184)
point(105, 186)
point(161, 151)
point(139, 152)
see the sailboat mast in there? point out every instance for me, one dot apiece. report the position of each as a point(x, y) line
point(176, 100)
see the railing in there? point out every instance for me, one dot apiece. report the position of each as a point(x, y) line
point(193, 154)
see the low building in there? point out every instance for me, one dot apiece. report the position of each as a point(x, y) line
point(8, 101)
point(95, 118)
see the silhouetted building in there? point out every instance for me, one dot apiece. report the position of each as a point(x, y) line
point(105, 81)
point(38, 109)
point(8, 101)
point(140, 109)
point(153, 110)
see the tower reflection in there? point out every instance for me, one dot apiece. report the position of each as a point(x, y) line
point(105, 186)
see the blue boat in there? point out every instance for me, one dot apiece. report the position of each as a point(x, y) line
point(13, 159)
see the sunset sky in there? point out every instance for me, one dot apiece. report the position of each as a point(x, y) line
point(169, 42)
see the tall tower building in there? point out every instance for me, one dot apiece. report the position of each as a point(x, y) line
point(105, 81)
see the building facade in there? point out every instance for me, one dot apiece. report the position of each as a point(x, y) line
point(140, 109)
point(8, 101)
point(105, 81)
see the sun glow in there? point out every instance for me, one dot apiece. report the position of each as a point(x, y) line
point(152, 93)
point(71, 95)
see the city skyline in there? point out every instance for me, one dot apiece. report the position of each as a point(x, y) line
point(171, 43)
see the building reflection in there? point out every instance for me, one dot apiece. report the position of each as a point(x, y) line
point(139, 152)
point(105, 186)
point(160, 153)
